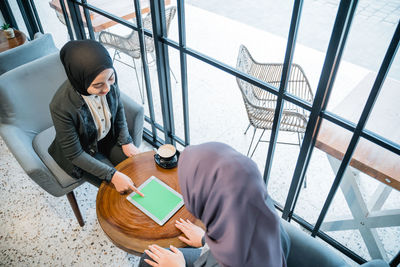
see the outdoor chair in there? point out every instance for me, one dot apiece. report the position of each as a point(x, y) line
point(260, 104)
point(130, 45)
point(41, 45)
point(26, 124)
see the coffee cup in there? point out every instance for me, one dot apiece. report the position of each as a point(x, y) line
point(166, 152)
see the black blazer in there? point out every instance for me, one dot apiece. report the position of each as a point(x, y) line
point(76, 135)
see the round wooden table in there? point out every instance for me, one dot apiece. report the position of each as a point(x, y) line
point(5, 44)
point(128, 227)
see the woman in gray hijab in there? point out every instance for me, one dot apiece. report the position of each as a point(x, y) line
point(91, 130)
point(223, 189)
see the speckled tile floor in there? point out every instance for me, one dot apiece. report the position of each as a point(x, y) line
point(37, 229)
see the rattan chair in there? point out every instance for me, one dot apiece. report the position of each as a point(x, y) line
point(260, 104)
point(130, 45)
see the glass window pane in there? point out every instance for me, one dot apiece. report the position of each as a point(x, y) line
point(176, 90)
point(216, 109)
point(218, 28)
point(315, 28)
point(18, 17)
point(52, 22)
point(369, 37)
point(292, 127)
point(385, 115)
point(320, 175)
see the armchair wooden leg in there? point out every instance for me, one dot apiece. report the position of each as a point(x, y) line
point(75, 208)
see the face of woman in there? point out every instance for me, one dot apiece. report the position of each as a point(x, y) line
point(101, 84)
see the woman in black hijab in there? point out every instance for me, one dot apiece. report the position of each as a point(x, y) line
point(91, 130)
point(224, 189)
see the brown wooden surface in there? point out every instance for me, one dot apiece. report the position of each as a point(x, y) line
point(5, 44)
point(128, 227)
point(121, 8)
point(384, 120)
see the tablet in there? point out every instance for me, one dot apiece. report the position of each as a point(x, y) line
point(160, 202)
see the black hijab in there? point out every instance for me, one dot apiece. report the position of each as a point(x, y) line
point(224, 189)
point(83, 60)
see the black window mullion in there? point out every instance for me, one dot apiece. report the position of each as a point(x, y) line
point(183, 64)
point(159, 32)
point(395, 261)
point(327, 76)
point(381, 141)
point(76, 19)
point(383, 70)
point(336, 119)
point(88, 20)
point(29, 17)
point(228, 69)
point(113, 17)
point(297, 101)
point(328, 92)
point(149, 137)
point(291, 43)
point(7, 13)
point(145, 69)
point(66, 19)
point(35, 13)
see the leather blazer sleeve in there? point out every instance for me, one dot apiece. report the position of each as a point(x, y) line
point(68, 138)
point(121, 127)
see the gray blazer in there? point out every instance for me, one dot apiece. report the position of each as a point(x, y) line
point(75, 143)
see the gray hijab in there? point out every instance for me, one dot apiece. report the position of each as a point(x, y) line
point(224, 189)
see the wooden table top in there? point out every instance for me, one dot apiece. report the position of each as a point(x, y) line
point(121, 8)
point(5, 44)
point(128, 227)
point(384, 120)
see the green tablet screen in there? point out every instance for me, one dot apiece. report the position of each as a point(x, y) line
point(160, 201)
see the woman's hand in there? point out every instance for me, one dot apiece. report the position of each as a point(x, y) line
point(123, 184)
point(164, 258)
point(130, 150)
point(193, 232)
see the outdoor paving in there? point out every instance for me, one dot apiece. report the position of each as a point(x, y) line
point(371, 31)
point(216, 113)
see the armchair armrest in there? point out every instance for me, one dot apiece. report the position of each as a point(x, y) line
point(20, 145)
point(307, 251)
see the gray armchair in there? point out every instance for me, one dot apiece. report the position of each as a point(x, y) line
point(308, 252)
point(26, 125)
point(41, 46)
